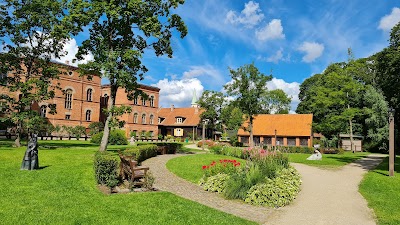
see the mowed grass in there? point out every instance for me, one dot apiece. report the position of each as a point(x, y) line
point(63, 191)
point(382, 192)
point(190, 167)
point(328, 160)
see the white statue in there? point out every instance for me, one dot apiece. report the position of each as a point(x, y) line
point(317, 155)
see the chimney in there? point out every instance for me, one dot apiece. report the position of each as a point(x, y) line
point(67, 62)
point(172, 108)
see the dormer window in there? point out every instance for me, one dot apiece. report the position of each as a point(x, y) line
point(160, 119)
point(179, 120)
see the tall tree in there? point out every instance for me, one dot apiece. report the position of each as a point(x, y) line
point(277, 102)
point(121, 32)
point(231, 117)
point(248, 87)
point(32, 32)
point(212, 102)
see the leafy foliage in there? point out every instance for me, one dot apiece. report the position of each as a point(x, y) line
point(117, 137)
point(106, 169)
point(216, 183)
point(32, 33)
point(120, 34)
point(95, 128)
point(142, 152)
point(276, 192)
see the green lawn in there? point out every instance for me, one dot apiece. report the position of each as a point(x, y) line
point(382, 192)
point(328, 160)
point(190, 167)
point(63, 191)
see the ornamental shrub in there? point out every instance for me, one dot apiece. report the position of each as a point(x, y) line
point(96, 138)
point(142, 152)
point(216, 183)
point(276, 192)
point(172, 147)
point(117, 137)
point(227, 166)
point(106, 169)
point(233, 151)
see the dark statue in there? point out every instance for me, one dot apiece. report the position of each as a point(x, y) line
point(31, 158)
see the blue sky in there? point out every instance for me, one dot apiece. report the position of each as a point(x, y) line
point(293, 39)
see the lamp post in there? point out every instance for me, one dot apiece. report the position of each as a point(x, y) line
point(204, 133)
point(391, 141)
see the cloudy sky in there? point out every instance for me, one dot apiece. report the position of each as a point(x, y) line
point(290, 38)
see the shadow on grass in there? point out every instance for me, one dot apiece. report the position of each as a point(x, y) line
point(65, 144)
point(383, 168)
point(43, 167)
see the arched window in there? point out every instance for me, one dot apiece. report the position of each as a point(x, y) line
point(68, 99)
point(43, 110)
point(144, 119)
point(135, 101)
point(89, 95)
point(152, 101)
point(143, 101)
point(88, 115)
point(135, 118)
point(105, 99)
point(151, 119)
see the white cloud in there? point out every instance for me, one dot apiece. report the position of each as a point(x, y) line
point(313, 50)
point(273, 30)
point(204, 72)
point(389, 21)
point(178, 92)
point(250, 16)
point(291, 89)
point(72, 48)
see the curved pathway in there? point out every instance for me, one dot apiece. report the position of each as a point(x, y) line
point(326, 196)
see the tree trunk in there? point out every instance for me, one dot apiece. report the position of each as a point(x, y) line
point(251, 143)
point(106, 132)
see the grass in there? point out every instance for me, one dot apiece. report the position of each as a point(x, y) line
point(328, 160)
point(190, 167)
point(63, 191)
point(382, 192)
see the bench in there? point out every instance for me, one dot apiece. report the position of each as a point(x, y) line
point(129, 169)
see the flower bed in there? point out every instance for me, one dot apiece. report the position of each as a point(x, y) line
point(266, 179)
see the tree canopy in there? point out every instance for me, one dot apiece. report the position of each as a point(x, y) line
point(121, 33)
point(32, 33)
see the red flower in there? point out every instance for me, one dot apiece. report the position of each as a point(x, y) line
point(204, 167)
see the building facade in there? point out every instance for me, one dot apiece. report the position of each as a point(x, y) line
point(279, 130)
point(144, 116)
point(180, 122)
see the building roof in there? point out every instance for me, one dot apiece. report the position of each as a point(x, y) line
point(284, 124)
point(191, 115)
point(142, 86)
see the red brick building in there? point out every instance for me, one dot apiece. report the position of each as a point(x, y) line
point(280, 129)
point(144, 115)
point(80, 100)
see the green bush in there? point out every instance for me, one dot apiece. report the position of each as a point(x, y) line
point(106, 169)
point(276, 192)
point(237, 186)
point(216, 149)
point(97, 138)
point(296, 149)
point(172, 148)
point(216, 183)
point(117, 137)
point(95, 128)
point(142, 152)
point(233, 151)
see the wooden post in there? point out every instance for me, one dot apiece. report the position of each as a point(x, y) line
point(204, 129)
point(391, 142)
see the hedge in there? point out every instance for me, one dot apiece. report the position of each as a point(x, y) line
point(142, 152)
point(172, 148)
point(105, 169)
point(117, 137)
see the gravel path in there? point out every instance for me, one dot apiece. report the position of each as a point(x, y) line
point(326, 196)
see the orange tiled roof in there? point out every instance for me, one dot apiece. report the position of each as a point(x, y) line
point(284, 124)
point(191, 117)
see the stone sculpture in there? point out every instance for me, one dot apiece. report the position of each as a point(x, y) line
point(31, 158)
point(317, 155)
